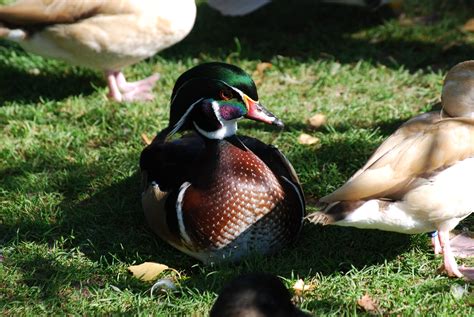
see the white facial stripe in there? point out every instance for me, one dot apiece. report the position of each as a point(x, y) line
point(238, 91)
point(179, 211)
point(241, 94)
point(215, 107)
point(179, 89)
point(181, 121)
point(228, 128)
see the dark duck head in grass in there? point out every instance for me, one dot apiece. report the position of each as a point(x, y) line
point(255, 295)
point(214, 195)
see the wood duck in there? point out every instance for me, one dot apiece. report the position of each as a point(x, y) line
point(421, 178)
point(106, 35)
point(255, 294)
point(214, 195)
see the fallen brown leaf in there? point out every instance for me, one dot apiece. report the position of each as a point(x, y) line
point(261, 67)
point(317, 121)
point(147, 271)
point(34, 71)
point(469, 25)
point(300, 287)
point(307, 139)
point(404, 20)
point(259, 72)
point(145, 139)
point(368, 304)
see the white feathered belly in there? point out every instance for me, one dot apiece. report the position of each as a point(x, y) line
point(433, 203)
point(97, 48)
point(109, 42)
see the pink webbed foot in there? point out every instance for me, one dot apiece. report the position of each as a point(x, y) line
point(449, 262)
point(467, 272)
point(121, 90)
point(141, 85)
point(462, 245)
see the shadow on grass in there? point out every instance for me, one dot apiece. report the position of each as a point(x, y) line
point(310, 30)
point(387, 127)
point(307, 31)
point(19, 86)
point(110, 225)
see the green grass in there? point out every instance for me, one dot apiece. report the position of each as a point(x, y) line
point(70, 215)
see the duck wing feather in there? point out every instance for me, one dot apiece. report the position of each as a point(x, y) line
point(46, 12)
point(419, 147)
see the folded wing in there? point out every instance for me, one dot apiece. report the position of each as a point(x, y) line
point(418, 147)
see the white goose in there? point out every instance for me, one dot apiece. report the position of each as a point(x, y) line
point(421, 178)
point(101, 34)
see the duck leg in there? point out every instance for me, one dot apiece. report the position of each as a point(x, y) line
point(450, 265)
point(435, 242)
point(138, 90)
point(121, 90)
point(114, 91)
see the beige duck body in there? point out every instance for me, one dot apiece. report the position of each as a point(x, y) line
point(102, 34)
point(421, 178)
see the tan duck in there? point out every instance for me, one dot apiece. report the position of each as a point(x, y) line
point(106, 35)
point(421, 178)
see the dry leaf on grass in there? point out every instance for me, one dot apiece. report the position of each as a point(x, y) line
point(317, 121)
point(147, 271)
point(431, 19)
point(300, 287)
point(368, 304)
point(115, 289)
point(261, 67)
point(259, 72)
point(145, 139)
point(307, 139)
point(34, 71)
point(469, 26)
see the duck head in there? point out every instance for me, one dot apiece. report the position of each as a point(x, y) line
point(211, 98)
point(457, 96)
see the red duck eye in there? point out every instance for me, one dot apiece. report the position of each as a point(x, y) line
point(225, 94)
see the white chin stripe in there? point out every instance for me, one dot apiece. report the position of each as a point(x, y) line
point(229, 128)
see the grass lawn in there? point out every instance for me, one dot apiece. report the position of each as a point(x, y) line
point(71, 220)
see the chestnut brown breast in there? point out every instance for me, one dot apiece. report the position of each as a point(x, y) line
point(243, 197)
